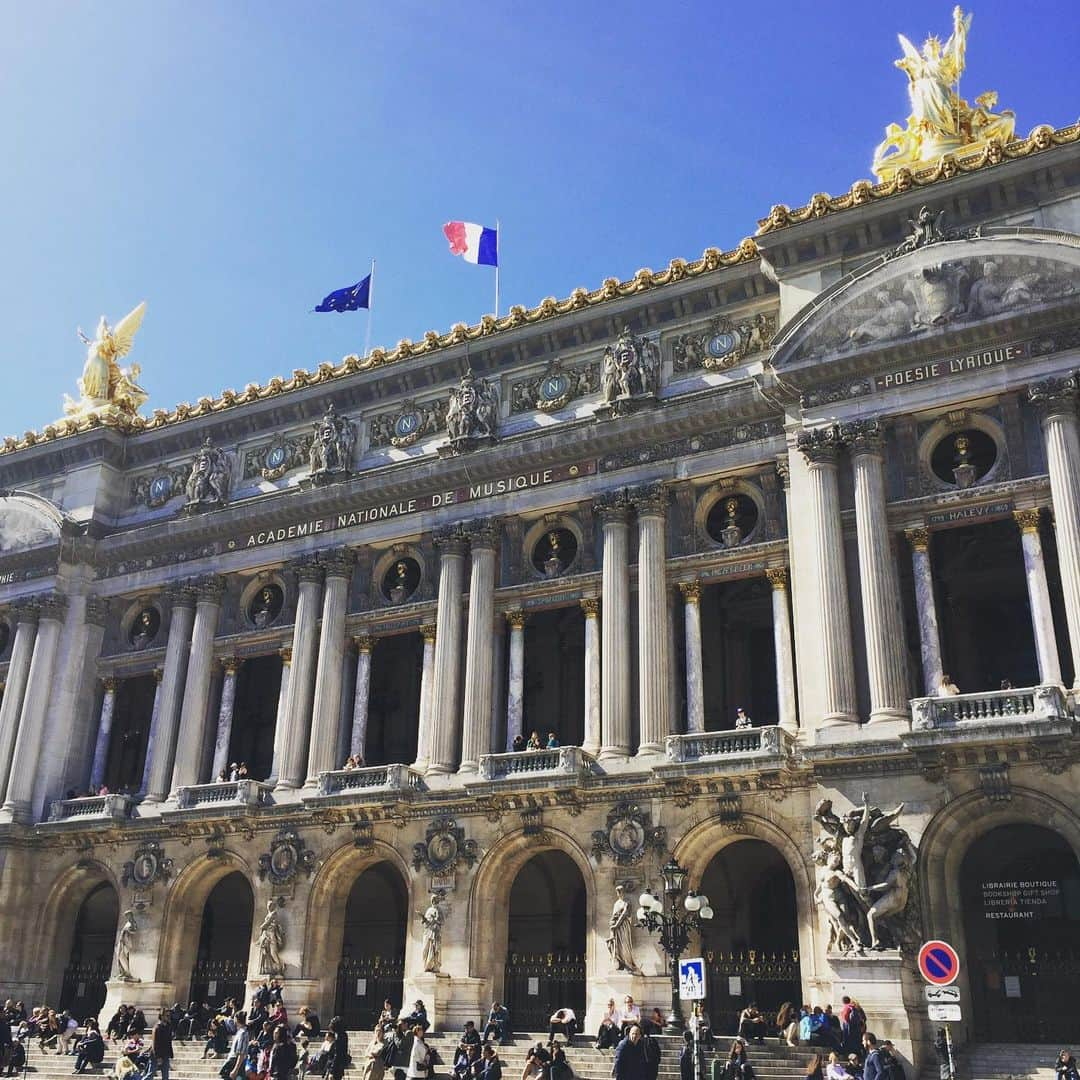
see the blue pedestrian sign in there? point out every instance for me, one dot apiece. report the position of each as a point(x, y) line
point(692, 979)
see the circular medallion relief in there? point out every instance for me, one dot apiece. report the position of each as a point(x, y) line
point(161, 489)
point(407, 424)
point(719, 345)
point(443, 848)
point(275, 456)
point(401, 580)
point(554, 553)
point(265, 605)
point(144, 627)
point(627, 837)
point(963, 458)
point(553, 387)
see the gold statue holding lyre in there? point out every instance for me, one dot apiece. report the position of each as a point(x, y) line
point(105, 386)
point(941, 122)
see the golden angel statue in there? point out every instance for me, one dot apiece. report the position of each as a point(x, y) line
point(941, 122)
point(104, 383)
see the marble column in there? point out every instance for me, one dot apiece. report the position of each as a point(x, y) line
point(163, 748)
point(820, 447)
point(282, 710)
point(326, 705)
point(515, 691)
point(785, 657)
point(883, 625)
point(591, 607)
point(104, 733)
point(22, 651)
point(1057, 400)
point(296, 723)
point(28, 742)
point(358, 736)
point(476, 710)
point(654, 660)
point(230, 666)
point(194, 717)
point(1042, 618)
point(155, 724)
point(498, 681)
point(613, 510)
point(445, 727)
point(427, 678)
point(695, 679)
point(929, 637)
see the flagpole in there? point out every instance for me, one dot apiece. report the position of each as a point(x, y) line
point(370, 299)
point(498, 244)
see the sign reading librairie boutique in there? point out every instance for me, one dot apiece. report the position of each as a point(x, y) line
point(952, 365)
point(369, 513)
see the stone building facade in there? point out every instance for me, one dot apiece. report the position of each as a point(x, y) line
point(806, 479)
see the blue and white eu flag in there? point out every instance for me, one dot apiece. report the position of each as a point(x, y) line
point(349, 299)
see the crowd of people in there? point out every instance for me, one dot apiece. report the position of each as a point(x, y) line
point(534, 742)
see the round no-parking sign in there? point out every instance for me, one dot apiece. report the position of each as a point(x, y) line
point(938, 963)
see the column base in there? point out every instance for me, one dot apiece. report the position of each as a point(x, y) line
point(608, 752)
point(649, 749)
point(889, 722)
point(16, 813)
point(433, 989)
point(438, 769)
point(468, 768)
point(151, 997)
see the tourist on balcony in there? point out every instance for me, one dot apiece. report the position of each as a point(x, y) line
point(1006, 684)
point(519, 744)
point(223, 777)
point(498, 1022)
point(609, 1032)
point(234, 772)
point(418, 1017)
point(534, 742)
point(419, 1057)
point(742, 721)
point(90, 1049)
point(752, 1024)
point(630, 1061)
point(564, 1022)
point(629, 1015)
point(1065, 1067)
point(552, 741)
point(946, 687)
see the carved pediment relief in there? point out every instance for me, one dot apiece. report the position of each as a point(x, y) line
point(27, 521)
point(948, 285)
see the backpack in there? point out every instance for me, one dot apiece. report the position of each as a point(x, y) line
point(891, 1069)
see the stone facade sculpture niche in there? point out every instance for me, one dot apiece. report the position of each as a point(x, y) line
point(629, 375)
point(330, 452)
point(864, 870)
point(208, 481)
point(472, 417)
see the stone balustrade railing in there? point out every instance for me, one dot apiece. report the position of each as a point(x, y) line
point(229, 792)
point(562, 761)
point(106, 807)
point(719, 745)
point(374, 778)
point(1028, 703)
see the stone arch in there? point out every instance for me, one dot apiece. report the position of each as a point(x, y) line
point(725, 487)
point(324, 922)
point(962, 420)
point(490, 892)
point(55, 930)
point(947, 839)
point(181, 919)
point(697, 848)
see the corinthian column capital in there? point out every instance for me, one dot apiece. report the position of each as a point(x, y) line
point(451, 539)
point(650, 499)
point(820, 445)
point(1028, 520)
point(863, 436)
point(210, 589)
point(612, 505)
point(482, 532)
point(1055, 395)
point(338, 563)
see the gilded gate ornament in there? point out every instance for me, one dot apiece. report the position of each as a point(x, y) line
point(628, 835)
point(288, 857)
point(444, 847)
point(147, 865)
point(941, 122)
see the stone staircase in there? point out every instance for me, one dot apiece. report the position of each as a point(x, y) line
point(1007, 1061)
point(770, 1061)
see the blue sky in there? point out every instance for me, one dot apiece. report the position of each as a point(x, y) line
point(232, 162)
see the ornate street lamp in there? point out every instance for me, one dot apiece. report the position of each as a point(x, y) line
point(674, 927)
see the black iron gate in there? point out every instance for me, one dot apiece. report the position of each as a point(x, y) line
point(82, 992)
point(1027, 995)
point(535, 986)
point(212, 981)
point(735, 979)
point(363, 984)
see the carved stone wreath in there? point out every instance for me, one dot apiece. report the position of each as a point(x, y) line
point(629, 834)
point(443, 847)
point(724, 343)
point(288, 857)
point(147, 865)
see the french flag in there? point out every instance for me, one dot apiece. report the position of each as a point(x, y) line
point(474, 243)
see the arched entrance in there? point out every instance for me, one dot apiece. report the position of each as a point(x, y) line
point(94, 938)
point(1020, 897)
point(751, 946)
point(372, 965)
point(221, 959)
point(545, 956)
